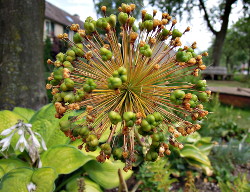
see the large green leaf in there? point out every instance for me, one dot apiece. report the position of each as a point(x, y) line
point(90, 154)
point(106, 174)
point(64, 158)
point(206, 169)
point(204, 145)
point(45, 123)
point(191, 152)
point(24, 112)
point(89, 185)
point(1, 172)
point(192, 138)
point(16, 180)
point(9, 164)
point(44, 179)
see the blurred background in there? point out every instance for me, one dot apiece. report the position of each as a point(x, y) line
point(28, 38)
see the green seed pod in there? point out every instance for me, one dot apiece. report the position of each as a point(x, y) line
point(112, 20)
point(114, 82)
point(148, 25)
point(60, 57)
point(91, 148)
point(194, 97)
point(114, 117)
point(201, 83)
point(131, 21)
point(190, 50)
point(165, 32)
point(179, 94)
point(150, 119)
point(134, 28)
point(70, 53)
point(158, 116)
point(203, 97)
point(69, 83)
point(148, 53)
point(145, 126)
point(129, 116)
point(182, 56)
point(124, 78)
point(93, 143)
point(176, 33)
point(122, 18)
point(54, 82)
point(58, 73)
point(65, 125)
point(117, 153)
point(63, 87)
point(57, 98)
point(148, 17)
point(155, 137)
point(68, 65)
point(192, 103)
point(115, 74)
point(77, 38)
point(122, 71)
point(69, 97)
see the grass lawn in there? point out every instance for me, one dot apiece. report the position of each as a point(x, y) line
point(227, 84)
point(240, 116)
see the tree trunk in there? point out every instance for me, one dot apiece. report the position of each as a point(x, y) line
point(217, 47)
point(22, 80)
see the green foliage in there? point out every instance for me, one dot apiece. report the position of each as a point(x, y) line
point(7, 165)
point(73, 185)
point(8, 119)
point(155, 176)
point(47, 125)
point(195, 153)
point(237, 153)
point(18, 179)
point(240, 184)
point(58, 162)
point(67, 160)
point(105, 174)
point(225, 122)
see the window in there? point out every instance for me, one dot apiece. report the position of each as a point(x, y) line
point(49, 28)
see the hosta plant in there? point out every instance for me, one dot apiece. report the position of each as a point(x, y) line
point(130, 87)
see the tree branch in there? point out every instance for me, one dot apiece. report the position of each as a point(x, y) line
point(206, 17)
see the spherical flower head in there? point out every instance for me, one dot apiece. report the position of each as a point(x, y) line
point(132, 86)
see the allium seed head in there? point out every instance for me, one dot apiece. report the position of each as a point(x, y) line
point(131, 86)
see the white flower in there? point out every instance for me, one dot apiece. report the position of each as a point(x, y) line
point(5, 143)
point(31, 187)
point(22, 144)
point(9, 130)
point(42, 141)
point(23, 130)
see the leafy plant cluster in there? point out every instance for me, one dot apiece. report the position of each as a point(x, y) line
point(64, 167)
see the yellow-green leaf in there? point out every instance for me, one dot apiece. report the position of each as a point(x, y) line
point(24, 112)
point(89, 185)
point(45, 123)
point(192, 152)
point(9, 164)
point(64, 158)
point(7, 120)
point(16, 180)
point(44, 179)
point(106, 174)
